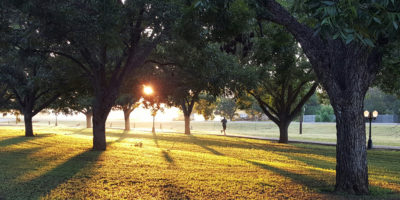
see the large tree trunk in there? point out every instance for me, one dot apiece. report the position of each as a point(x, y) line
point(28, 125)
point(101, 110)
point(127, 121)
point(283, 132)
point(187, 124)
point(351, 154)
point(351, 71)
point(89, 120)
point(345, 71)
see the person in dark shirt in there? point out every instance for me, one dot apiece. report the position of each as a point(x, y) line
point(224, 121)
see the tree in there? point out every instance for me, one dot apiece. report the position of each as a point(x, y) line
point(81, 102)
point(324, 114)
point(389, 78)
point(312, 106)
point(282, 79)
point(127, 102)
point(107, 40)
point(34, 83)
point(186, 71)
point(250, 105)
point(343, 41)
point(205, 106)
point(35, 79)
point(128, 99)
point(226, 107)
point(5, 96)
point(376, 99)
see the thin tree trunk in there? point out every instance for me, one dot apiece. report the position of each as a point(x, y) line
point(283, 132)
point(89, 120)
point(28, 125)
point(153, 129)
point(127, 121)
point(187, 124)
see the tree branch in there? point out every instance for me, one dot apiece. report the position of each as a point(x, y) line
point(45, 104)
point(269, 108)
point(72, 58)
point(303, 34)
point(293, 114)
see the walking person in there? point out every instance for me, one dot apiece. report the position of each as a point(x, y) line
point(224, 121)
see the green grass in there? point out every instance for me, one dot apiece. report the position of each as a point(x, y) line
point(58, 164)
point(382, 134)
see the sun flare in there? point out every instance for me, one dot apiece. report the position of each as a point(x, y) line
point(148, 90)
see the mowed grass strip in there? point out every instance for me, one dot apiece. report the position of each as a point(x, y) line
point(58, 164)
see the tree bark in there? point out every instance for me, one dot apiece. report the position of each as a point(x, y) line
point(187, 124)
point(127, 114)
point(101, 109)
point(28, 125)
point(99, 133)
point(351, 154)
point(283, 132)
point(345, 71)
point(89, 120)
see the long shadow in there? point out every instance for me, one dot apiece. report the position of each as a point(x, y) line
point(155, 140)
point(167, 157)
point(15, 140)
point(236, 144)
point(324, 164)
point(123, 136)
point(42, 185)
point(308, 181)
point(200, 143)
point(20, 139)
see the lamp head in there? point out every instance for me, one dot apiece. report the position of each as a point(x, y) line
point(375, 114)
point(366, 113)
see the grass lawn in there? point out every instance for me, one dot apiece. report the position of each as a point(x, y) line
point(382, 134)
point(58, 164)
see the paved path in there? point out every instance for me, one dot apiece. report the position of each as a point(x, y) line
point(310, 142)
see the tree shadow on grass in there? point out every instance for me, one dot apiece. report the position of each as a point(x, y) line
point(79, 131)
point(167, 157)
point(200, 143)
point(310, 182)
point(42, 185)
point(20, 139)
point(155, 140)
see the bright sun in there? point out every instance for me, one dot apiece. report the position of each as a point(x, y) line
point(147, 90)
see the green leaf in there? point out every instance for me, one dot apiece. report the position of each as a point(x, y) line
point(377, 20)
point(369, 42)
point(328, 3)
point(335, 36)
point(396, 26)
point(198, 3)
point(349, 39)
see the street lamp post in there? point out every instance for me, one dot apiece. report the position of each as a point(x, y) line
point(370, 117)
point(148, 90)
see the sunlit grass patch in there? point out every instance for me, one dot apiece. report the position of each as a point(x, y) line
point(58, 164)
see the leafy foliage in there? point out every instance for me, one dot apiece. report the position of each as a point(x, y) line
point(365, 21)
point(226, 107)
point(205, 106)
point(325, 114)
